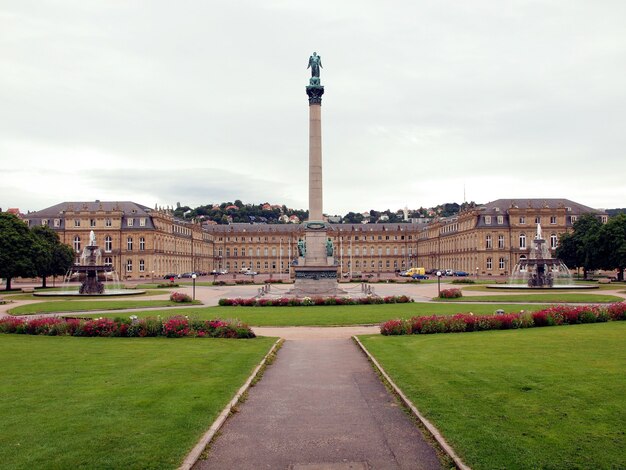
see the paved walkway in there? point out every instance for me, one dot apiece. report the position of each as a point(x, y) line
point(320, 406)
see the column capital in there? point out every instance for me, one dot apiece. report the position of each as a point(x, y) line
point(315, 93)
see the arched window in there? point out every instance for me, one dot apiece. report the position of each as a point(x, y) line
point(522, 240)
point(108, 244)
point(77, 243)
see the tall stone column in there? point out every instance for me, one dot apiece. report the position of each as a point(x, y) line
point(315, 93)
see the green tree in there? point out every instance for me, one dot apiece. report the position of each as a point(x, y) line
point(16, 249)
point(581, 248)
point(50, 256)
point(612, 241)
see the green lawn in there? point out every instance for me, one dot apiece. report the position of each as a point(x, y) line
point(599, 287)
point(539, 297)
point(551, 398)
point(335, 315)
point(87, 305)
point(114, 402)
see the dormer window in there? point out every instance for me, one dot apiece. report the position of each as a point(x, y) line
point(130, 222)
point(500, 220)
point(488, 220)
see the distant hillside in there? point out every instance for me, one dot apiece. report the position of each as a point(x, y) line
point(613, 212)
point(265, 213)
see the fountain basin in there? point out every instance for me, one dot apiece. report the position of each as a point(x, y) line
point(75, 293)
point(542, 288)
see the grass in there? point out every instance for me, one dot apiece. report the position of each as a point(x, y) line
point(539, 297)
point(599, 287)
point(88, 305)
point(334, 315)
point(133, 403)
point(550, 398)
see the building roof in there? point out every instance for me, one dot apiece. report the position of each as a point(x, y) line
point(127, 207)
point(503, 205)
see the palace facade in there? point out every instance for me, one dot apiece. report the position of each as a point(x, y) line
point(141, 243)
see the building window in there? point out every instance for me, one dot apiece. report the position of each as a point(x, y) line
point(488, 243)
point(537, 220)
point(129, 243)
point(573, 218)
point(76, 222)
point(235, 252)
point(522, 220)
point(108, 223)
point(265, 252)
point(92, 222)
point(142, 244)
point(108, 244)
point(130, 222)
point(273, 251)
point(500, 241)
point(77, 243)
point(604, 219)
point(554, 241)
point(489, 263)
point(142, 265)
point(129, 265)
point(44, 222)
point(142, 222)
point(501, 263)
point(522, 241)
point(488, 220)
point(57, 222)
point(243, 252)
point(108, 261)
point(553, 220)
point(500, 220)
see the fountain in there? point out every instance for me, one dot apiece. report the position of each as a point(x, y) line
point(96, 278)
point(540, 270)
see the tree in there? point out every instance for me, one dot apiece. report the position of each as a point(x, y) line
point(50, 256)
point(581, 249)
point(612, 241)
point(16, 249)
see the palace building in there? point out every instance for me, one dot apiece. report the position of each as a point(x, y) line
point(142, 243)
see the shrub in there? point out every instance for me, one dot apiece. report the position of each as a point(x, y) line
point(169, 284)
point(176, 327)
point(180, 297)
point(450, 294)
point(463, 281)
point(393, 327)
point(617, 311)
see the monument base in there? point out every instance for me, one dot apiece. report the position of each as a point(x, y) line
point(316, 281)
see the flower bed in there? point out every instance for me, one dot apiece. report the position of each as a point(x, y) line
point(173, 327)
point(310, 301)
point(463, 322)
point(180, 297)
point(450, 294)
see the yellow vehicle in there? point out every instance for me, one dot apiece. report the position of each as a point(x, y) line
point(412, 271)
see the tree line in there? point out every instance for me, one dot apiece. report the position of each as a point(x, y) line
point(593, 245)
point(36, 252)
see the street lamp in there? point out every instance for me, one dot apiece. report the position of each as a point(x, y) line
point(438, 283)
point(193, 277)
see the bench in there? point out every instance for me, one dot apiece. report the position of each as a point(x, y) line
point(28, 290)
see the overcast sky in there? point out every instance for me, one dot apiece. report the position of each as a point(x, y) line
point(196, 102)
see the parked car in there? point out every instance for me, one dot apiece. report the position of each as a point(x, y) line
point(224, 271)
point(170, 276)
point(188, 275)
point(419, 276)
point(460, 273)
point(250, 273)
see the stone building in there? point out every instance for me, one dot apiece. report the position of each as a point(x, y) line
point(491, 239)
point(137, 241)
point(142, 243)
